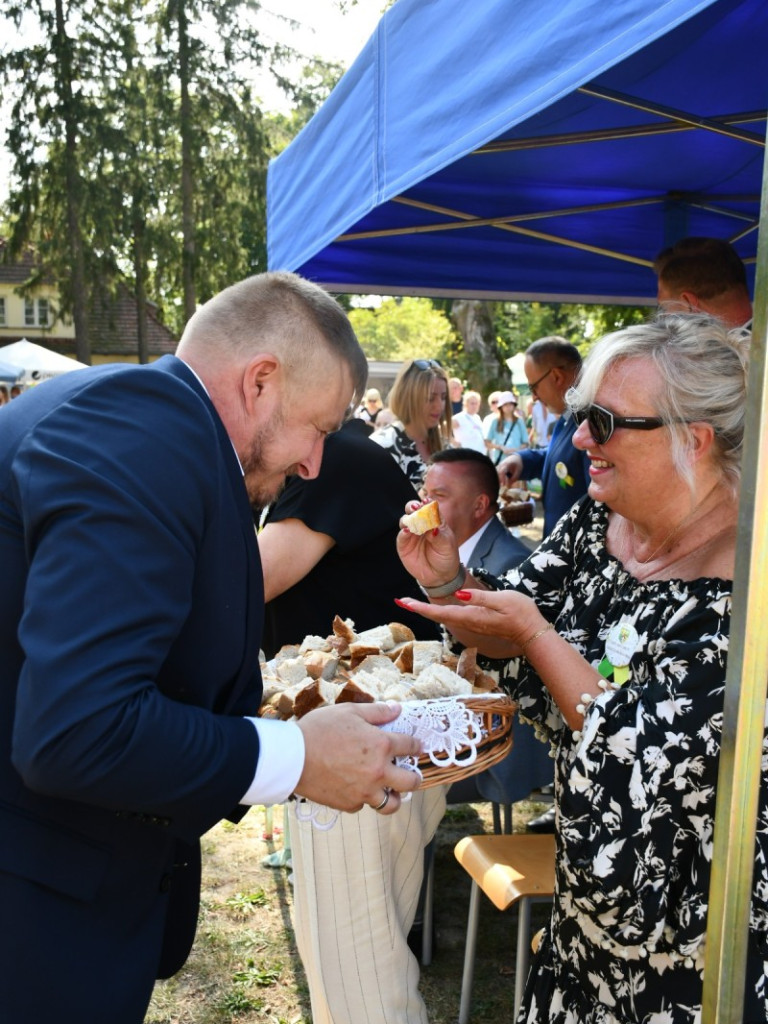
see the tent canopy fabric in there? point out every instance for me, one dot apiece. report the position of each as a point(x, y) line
point(532, 149)
point(35, 361)
point(9, 374)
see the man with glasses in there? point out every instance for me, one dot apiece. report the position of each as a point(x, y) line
point(551, 367)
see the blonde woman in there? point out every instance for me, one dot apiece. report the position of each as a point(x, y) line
point(421, 404)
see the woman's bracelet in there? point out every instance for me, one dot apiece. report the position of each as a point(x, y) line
point(539, 632)
point(446, 589)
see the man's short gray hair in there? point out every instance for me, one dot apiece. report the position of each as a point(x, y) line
point(281, 313)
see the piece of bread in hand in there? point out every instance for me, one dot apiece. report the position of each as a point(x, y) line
point(423, 519)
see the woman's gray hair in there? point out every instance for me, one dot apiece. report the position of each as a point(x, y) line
point(703, 369)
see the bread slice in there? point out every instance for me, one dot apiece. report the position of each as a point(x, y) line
point(380, 637)
point(423, 519)
point(401, 634)
point(438, 681)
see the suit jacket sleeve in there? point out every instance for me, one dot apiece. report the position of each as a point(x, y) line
point(134, 627)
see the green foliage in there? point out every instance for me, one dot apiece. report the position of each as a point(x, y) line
point(518, 324)
point(260, 974)
point(245, 902)
point(408, 328)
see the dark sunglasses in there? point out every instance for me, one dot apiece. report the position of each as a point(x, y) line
point(602, 422)
point(427, 364)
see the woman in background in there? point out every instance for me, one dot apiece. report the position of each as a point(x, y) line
point(421, 404)
point(506, 433)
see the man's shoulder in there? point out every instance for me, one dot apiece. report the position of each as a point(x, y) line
point(498, 549)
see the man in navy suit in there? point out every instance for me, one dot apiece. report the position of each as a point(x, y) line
point(130, 626)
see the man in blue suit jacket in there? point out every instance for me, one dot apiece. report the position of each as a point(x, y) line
point(551, 366)
point(466, 487)
point(130, 626)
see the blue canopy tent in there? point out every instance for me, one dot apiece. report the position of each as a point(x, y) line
point(549, 149)
point(528, 148)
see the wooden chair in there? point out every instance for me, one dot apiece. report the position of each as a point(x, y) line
point(508, 869)
point(428, 887)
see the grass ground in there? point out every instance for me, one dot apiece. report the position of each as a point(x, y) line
point(244, 966)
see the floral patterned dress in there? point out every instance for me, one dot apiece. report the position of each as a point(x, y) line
point(635, 790)
point(404, 451)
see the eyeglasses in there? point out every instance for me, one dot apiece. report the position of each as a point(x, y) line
point(602, 422)
point(541, 378)
point(427, 364)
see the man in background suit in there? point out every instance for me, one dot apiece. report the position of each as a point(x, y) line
point(130, 626)
point(551, 367)
point(465, 485)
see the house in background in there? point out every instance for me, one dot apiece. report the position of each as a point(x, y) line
point(113, 326)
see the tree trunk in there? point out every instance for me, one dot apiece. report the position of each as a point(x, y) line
point(140, 279)
point(473, 319)
point(73, 186)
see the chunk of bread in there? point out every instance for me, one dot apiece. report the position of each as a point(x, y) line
point(467, 664)
point(321, 664)
point(423, 519)
point(404, 660)
point(426, 652)
point(292, 670)
point(316, 694)
point(353, 692)
point(314, 643)
point(344, 629)
point(379, 636)
point(438, 681)
point(401, 634)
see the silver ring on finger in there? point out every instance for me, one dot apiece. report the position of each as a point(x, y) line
point(384, 802)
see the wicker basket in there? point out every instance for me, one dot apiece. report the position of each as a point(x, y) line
point(497, 712)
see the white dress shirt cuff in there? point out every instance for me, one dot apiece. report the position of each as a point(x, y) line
point(281, 762)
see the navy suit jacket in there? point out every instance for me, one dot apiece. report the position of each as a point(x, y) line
point(497, 551)
point(558, 496)
point(130, 623)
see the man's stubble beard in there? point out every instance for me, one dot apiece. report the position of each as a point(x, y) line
point(255, 470)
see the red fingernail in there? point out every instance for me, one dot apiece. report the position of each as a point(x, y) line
point(463, 595)
point(400, 603)
point(436, 531)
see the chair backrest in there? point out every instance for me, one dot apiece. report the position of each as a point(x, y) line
point(507, 868)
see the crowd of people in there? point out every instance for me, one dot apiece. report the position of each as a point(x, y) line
point(138, 596)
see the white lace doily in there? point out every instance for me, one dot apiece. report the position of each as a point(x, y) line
point(446, 728)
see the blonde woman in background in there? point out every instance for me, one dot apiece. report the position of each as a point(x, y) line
point(421, 404)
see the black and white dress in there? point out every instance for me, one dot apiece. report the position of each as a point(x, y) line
point(635, 790)
point(404, 451)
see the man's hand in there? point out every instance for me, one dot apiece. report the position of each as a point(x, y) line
point(349, 762)
point(509, 469)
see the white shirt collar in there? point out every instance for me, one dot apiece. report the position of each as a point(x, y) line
point(469, 545)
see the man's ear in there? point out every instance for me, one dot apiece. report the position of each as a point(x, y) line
point(480, 506)
point(692, 301)
point(261, 379)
